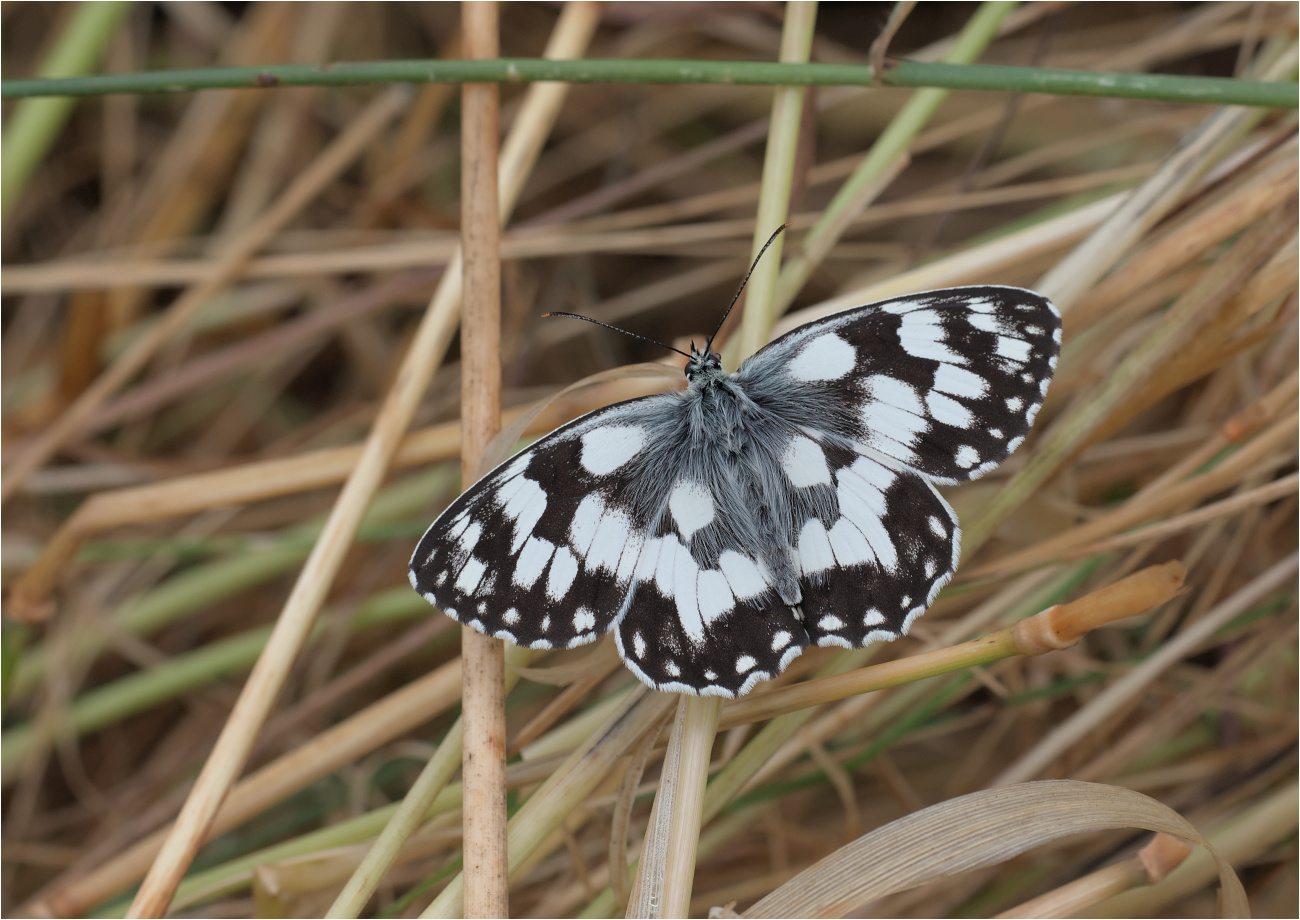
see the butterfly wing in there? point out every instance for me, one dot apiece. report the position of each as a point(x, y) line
point(874, 543)
point(946, 383)
point(541, 550)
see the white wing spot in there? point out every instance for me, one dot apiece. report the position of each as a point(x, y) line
point(995, 432)
point(893, 412)
point(1014, 403)
point(922, 337)
point(607, 447)
point(1056, 335)
point(967, 456)
point(710, 675)
point(905, 600)
point(714, 595)
point(930, 567)
point(564, 569)
point(781, 640)
point(1035, 330)
point(959, 382)
point(744, 663)
point(1013, 349)
point(830, 623)
point(691, 506)
point(546, 624)
point(586, 518)
point(470, 575)
point(849, 544)
point(468, 537)
point(901, 306)
point(612, 534)
point(532, 561)
point(743, 576)
point(510, 617)
point(873, 618)
point(862, 502)
point(948, 411)
point(1013, 444)
point(524, 502)
point(638, 644)
point(987, 322)
point(804, 463)
point(827, 357)
point(583, 620)
point(671, 669)
point(814, 548)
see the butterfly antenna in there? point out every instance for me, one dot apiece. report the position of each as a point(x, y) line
point(588, 319)
point(770, 240)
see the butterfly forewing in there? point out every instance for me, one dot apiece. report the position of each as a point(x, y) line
point(946, 382)
point(541, 550)
point(723, 529)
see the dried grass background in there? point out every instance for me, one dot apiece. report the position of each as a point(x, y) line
point(144, 566)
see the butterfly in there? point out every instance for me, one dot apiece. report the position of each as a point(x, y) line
point(722, 529)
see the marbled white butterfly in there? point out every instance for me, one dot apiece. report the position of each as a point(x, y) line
point(722, 529)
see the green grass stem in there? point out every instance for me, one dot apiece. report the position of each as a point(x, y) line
point(992, 78)
point(36, 123)
point(181, 674)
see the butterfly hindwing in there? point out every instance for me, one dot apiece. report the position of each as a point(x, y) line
point(541, 550)
point(945, 382)
point(736, 640)
point(874, 562)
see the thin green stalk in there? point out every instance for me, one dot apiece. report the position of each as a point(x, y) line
point(776, 183)
point(213, 582)
point(886, 157)
point(35, 124)
point(238, 873)
point(1164, 87)
point(141, 690)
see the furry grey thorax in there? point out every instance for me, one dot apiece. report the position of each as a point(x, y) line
point(715, 434)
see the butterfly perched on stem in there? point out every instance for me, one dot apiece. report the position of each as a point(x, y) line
point(722, 529)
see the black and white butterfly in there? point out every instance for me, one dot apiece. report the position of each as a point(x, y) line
point(722, 529)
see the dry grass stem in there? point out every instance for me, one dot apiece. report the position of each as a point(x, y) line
point(483, 695)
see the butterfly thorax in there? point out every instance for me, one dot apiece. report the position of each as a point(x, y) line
point(703, 366)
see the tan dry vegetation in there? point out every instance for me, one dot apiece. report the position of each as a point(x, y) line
point(231, 401)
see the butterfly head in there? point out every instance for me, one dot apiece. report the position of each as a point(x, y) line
point(703, 365)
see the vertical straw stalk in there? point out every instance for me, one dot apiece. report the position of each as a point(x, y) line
point(484, 759)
